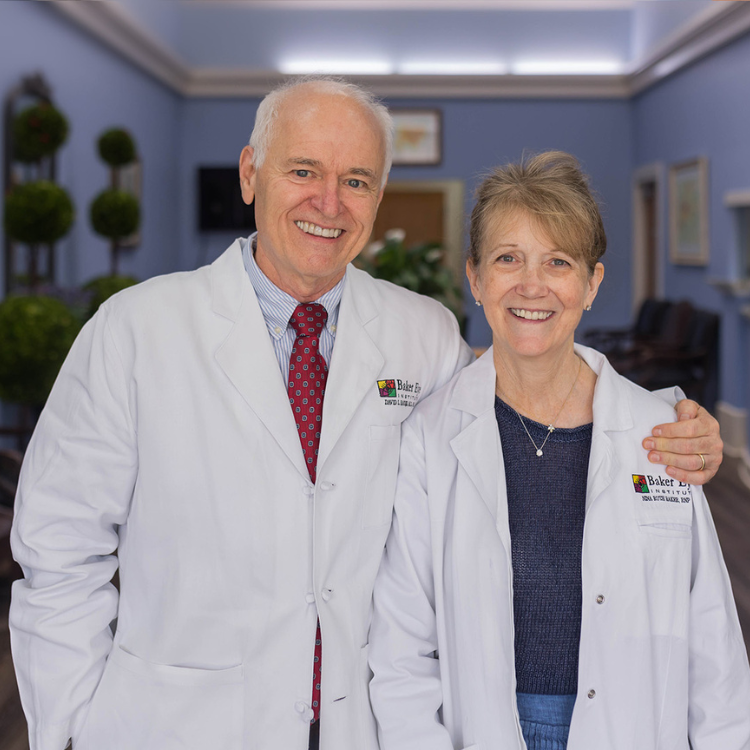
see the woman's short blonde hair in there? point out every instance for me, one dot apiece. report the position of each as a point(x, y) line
point(552, 190)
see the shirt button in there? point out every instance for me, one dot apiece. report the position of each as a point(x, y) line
point(592, 693)
point(277, 331)
point(310, 598)
point(327, 594)
point(333, 329)
point(600, 599)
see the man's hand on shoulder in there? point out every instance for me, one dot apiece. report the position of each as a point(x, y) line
point(681, 444)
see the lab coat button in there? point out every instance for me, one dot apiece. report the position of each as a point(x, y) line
point(600, 599)
point(592, 693)
point(310, 598)
point(327, 594)
point(308, 489)
point(300, 707)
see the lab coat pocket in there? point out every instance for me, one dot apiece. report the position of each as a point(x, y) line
point(382, 468)
point(140, 705)
point(369, 730)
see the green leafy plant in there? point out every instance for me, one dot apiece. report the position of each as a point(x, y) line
point(38, 131)
point(35, 336)
point(38, 212)
point(419, 268)
point(103, 287)
point(115, 214)
point(116, 147)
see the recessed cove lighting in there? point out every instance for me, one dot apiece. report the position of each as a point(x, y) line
point(566, 67)
point(456, 68)
point(336, 67)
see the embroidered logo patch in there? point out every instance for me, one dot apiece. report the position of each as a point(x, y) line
point(655, 488)
point(397, 392)
point(387, 388)
point(639, 483)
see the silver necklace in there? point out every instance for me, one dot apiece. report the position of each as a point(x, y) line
point(551, 427)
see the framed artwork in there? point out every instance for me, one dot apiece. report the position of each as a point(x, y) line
point(131, 180)
point(688, 212)
point(418, 138)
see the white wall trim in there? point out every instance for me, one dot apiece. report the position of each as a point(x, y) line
point(216, 82)
point(113, 25)
point(427, 5)
point(717, 26)
point(648, 173)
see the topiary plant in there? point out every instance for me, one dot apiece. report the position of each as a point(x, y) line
point(35, 336)
point(38, 212)
point(116, 147)
point(103, 287)
point(38, 131)
point(115, 214)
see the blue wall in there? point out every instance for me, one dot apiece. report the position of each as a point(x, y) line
point(477, 135)
point(96, 90)
point(704, 110)
point(699, 111)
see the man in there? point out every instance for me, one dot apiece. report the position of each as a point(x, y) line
point(184, 434)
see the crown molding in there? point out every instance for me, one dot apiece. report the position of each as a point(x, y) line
point(714, 28)
point(113, 25)
point(232, 83)
point(425, 5)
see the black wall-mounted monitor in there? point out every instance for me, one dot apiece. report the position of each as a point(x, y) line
point(220, 204)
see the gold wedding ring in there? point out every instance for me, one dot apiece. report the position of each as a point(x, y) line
point(703, 462)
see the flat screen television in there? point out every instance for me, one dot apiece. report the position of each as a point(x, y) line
point(220, 204)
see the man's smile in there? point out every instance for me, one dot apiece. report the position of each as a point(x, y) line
point(318, 231)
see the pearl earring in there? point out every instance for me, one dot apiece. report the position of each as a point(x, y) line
point(587, 308)
point(477, 303)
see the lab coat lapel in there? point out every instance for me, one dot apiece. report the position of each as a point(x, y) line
point(477, 446)
point(356, 361)
point(247, 355)
point(612, 413)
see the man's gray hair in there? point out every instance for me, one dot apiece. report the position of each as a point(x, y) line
point(269, 109)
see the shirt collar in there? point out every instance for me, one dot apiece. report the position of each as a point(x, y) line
point(276, 305)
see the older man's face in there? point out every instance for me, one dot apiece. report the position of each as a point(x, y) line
point(316, 193)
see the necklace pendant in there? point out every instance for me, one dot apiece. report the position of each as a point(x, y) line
point(540, 452)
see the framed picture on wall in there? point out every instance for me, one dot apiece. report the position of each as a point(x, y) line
point(688, 212)
point(418, 139)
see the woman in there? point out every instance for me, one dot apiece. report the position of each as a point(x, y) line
point(544, 585)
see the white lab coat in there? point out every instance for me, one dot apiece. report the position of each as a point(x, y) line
point(168, 438)
point(662, 659)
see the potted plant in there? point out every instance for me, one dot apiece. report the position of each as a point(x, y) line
point(37, 213)
point(115, 213)
point(418, 268)
point(38, 132)
point(35, 335)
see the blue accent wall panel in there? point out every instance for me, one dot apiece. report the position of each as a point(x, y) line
point(477, 135)
point(704, 110)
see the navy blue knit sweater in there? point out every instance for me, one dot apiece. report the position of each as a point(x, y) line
point(546, 506)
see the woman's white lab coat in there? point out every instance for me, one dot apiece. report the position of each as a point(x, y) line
point(662, 662)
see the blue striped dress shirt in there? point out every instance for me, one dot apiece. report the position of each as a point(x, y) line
point(277, 307)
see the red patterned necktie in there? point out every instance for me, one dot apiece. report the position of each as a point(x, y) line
point(307, 384)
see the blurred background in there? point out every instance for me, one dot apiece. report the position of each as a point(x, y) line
point(123, 123)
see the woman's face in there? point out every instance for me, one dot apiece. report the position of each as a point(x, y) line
point(533, 294)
